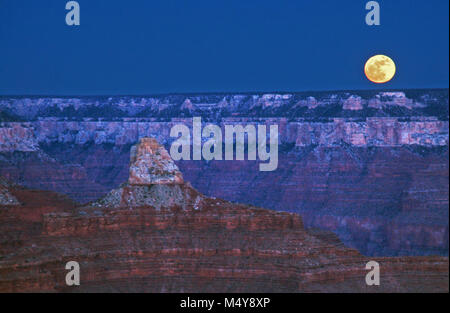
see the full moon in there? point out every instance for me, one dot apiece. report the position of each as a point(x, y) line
point(379, 69)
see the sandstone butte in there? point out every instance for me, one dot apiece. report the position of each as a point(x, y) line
point(156, 233)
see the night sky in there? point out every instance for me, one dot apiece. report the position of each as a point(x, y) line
point(175, 46)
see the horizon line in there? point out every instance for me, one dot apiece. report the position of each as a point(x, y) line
point(224, 93)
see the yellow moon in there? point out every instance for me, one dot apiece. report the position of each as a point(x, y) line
point(379, 69)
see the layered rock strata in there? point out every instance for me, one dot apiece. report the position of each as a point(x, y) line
point(190, 244)
point(370, 166)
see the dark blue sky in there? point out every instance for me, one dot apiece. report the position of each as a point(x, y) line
point(168, 46)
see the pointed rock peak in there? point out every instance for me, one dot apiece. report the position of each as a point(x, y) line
point(155, 181)
point(151, 164)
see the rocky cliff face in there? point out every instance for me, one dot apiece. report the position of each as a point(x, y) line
point(370, 166)
point(191, 244)
point(6, 198)
point(154, 180)
point(151, 164)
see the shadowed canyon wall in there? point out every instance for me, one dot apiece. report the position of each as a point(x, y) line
point(370, 166)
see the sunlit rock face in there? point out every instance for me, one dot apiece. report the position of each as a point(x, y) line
point(370, 166)
point(151, 164)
